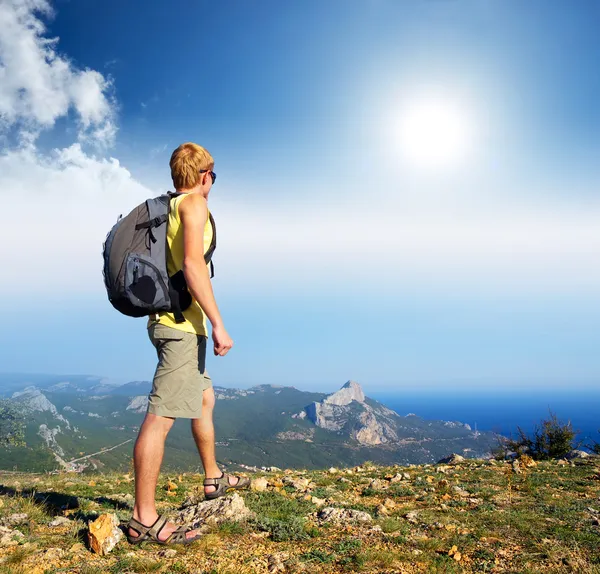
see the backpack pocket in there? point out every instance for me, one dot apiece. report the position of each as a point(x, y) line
point(144, 284)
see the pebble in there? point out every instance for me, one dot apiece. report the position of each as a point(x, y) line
point(59, 521)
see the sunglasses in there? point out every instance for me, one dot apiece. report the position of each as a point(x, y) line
point(213, 175)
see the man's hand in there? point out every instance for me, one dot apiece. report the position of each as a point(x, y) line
point(222, 341)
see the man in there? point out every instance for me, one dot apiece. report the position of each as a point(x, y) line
point(181, 386)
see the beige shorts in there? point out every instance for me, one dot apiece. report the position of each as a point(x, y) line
point(181, 377)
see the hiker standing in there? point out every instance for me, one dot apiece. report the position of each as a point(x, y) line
point(182, 388)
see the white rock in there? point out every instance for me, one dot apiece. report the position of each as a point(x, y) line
point(10, 537)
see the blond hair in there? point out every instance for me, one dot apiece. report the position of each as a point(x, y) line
point(186, 163)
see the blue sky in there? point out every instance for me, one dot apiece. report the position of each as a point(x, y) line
point(339, 256)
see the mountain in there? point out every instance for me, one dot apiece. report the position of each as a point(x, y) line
point(14, 382)
point(89, 424)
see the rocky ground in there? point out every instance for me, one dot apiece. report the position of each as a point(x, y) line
point(463, 516)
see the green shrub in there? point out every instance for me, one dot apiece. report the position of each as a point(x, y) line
point(552, 438)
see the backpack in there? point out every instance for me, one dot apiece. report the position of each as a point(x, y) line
point(135, 263)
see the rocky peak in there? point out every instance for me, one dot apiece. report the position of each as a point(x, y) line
point(33, 399)
point(351, 391)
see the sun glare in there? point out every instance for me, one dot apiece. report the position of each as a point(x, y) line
point(433, 134)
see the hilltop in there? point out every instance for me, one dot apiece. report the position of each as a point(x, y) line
point(464, 516)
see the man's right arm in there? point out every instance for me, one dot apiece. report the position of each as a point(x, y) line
point(193, 212)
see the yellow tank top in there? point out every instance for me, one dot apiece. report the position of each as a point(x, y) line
point(195, 319)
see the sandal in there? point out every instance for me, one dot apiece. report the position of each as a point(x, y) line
point(223, 486)
point(150, 533)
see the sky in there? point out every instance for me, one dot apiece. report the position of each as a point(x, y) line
point(407, 192)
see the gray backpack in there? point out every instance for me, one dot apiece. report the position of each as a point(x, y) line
point(135, 263)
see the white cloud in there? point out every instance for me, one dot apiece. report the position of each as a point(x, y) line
point(59, 207)
point(39, 86)
point(384, 246)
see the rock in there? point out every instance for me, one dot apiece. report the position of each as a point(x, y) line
point(273, 469)
point(333, 470)
point(104, 533)
point(10, 537)
point(212, 512)
point(411, 516)
point(276, 562)
point(596, 521)
point(14, 519)
point(170, 486)
point(526, 461)
point(577, 454)
point(452, 459)
point(341, 515)
point(377, 484)
point(59, 521)
point(461, 491)
point(387, 506)
point(516, 466)
point(318, 501)
point(168, 553)
point(259, 484)
point(301, 484)
point(344, 479)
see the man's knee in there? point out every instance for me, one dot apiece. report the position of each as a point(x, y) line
point(158, 423)
point(208, 399)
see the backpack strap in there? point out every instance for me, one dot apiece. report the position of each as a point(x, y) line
point(213, 245)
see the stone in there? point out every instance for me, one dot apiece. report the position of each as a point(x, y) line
point(396, 478)
point(526, 461)
point(452, 459)
point(411, 516)
point(259, 484)
point(333, 470)
point(318, 501)
point(10, 537)
point(344, 479)
point(377, 484)
point(168, 553)
point(276, 562)
point(60, 521)
point(342, 515)
point(577, 454)
point(387, 506)
point(212, 512)
point(17, 518)
point(104, 533)
point(461, 491)
point(301, 484)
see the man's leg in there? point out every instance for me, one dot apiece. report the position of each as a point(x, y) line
point(204, 435)
point(147, 458)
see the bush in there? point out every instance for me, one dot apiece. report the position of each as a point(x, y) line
point(594, 446)
point(552, 438)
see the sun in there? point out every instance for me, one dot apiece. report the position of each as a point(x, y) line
point(434, 133)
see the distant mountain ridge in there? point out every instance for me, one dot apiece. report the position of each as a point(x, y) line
point(265, 425)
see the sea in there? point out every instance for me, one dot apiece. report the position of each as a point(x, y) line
point(504, 412)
